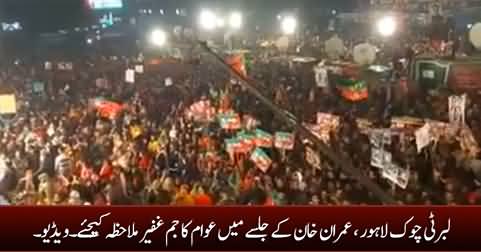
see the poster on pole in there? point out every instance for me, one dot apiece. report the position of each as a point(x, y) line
point(130, 76)
point(457, 107)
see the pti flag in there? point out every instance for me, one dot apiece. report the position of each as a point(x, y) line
point(263, 139)
point(353, 90)
point(284, 140)
point(237, 62)
point(202, 111)
point(247, 140)
point(108, 109)
point(261, 159)
point(230, 121)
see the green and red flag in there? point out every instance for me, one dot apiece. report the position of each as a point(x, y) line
point(263, 139)
point(284, 140)
point(353, 90)
point(248, 141)
point(261, 159)
point(230, 121)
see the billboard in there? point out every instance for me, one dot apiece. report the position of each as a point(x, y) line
point(105, 4)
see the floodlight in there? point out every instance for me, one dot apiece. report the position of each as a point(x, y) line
point(289, 25)
point(235, 20)
point(158, 37)
point(386, 26)
point(208, 20)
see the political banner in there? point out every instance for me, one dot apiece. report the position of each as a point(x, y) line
point(284, 140)
point(130, 76)
point(380, 158)
point(261, 160)
point(457, 107)
point(139, 69)
point(423, 137)
point(230, 121)
point(263, 139)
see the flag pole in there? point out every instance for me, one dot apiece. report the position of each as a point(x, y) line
point(343, 162)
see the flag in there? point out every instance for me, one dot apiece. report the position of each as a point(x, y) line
point(230, 121)
point(237, 62)
point(202, 111)
point(108, 109)
point(284, 140)
point(353, 90)
point(261, 159)
point(248, 141)
point(263, 139)
point(136, 131)
point(234, 145)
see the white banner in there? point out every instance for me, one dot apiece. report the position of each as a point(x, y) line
point(457, 107)
point(380, 137)
point(130, 76)
point(320, 74)
point(423, 137)
point(139, 69)
point(380, 158)
point(396, 175)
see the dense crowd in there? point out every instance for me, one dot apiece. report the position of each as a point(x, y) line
point(58, 149)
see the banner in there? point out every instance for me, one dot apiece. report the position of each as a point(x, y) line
point(284, 140)
point(261, 160)
point(313, 158)
point(396, 175)
point(380, 137)
point(328, 120)
point(230, 121)
point(201, 111)
point(8, 104)
point(248, 141)
point(380, 158)
point(423, 137)
point(457, 107)
point(353, 90)
point(139, 69)
point(320, 74)
point(263, 139)
point(130, 76)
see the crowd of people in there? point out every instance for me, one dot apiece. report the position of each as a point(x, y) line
point(59, 149)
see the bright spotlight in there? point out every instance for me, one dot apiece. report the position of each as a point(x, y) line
point(208, 20)
point(220, 23)
point(89, 41)
point(158, 38)
point(386, 26)
point(235, 20)
point(289, 25)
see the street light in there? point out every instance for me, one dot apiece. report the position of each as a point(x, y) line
point(386, 26)
point(158, 38)
point(289, 25)
point(208, 20)
point(235, 20)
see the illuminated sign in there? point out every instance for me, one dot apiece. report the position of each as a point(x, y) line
point(105, 4)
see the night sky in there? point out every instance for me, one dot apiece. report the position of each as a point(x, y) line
point(52, 15)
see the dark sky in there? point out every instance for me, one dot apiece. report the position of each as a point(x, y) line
point(51, 15)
